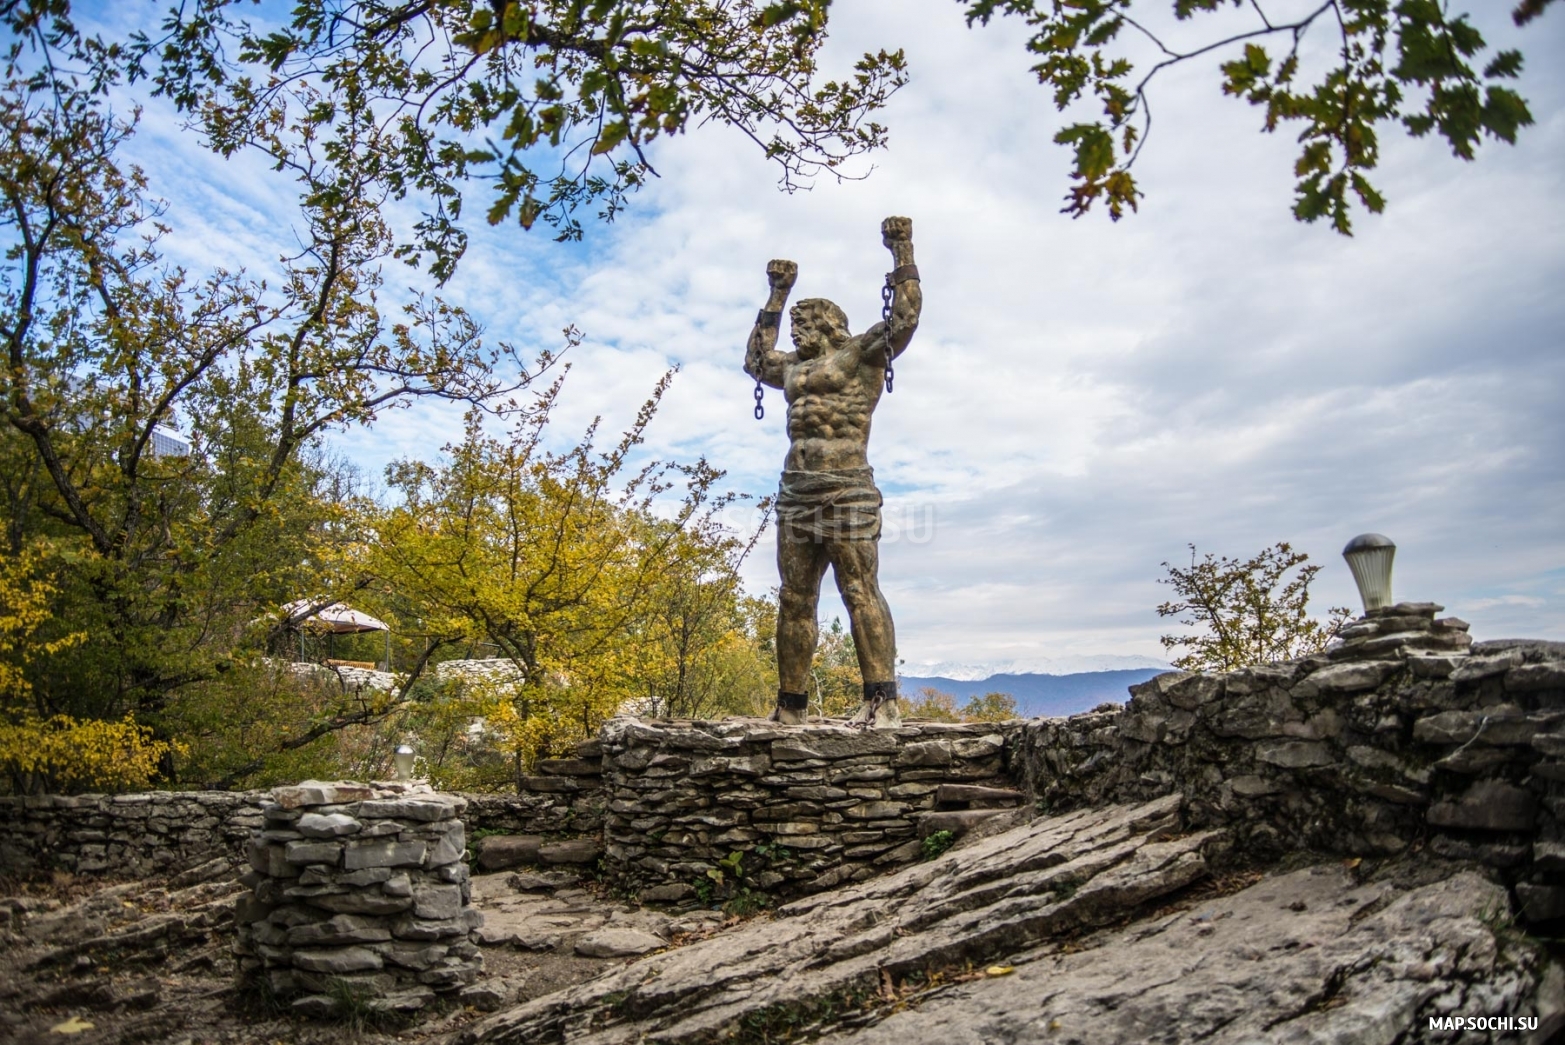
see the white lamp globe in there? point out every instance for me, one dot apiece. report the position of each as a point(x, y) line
point(1369, 556)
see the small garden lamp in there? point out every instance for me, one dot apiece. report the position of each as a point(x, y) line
point(404, 761)
point(1369, 556)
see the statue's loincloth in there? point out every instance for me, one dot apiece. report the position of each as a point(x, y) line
point(837, 505)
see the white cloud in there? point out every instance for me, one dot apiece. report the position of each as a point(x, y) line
point(1529, 601)
point(1083, 399)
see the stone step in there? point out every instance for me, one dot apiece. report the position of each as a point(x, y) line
point(501, 852)
point(976, 795)
point(552, 784)
point(957, 821)
point(571, 766)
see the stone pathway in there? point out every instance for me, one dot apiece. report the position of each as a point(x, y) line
point(535, 925)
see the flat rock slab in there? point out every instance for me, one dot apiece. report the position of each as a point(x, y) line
point(531, 929)
point(426, 807)
point(1308, 956)
point(977, 902)
point(329, 825)
point(529, 881)
point(618, 943)
point(319, 792)
point(1292, 959)
point(563, 920)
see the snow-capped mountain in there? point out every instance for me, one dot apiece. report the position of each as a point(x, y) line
point(1069, 664)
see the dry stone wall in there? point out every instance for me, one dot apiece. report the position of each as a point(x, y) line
point(360, 888)
point(564, 825)
point(553, 804)
point(172, 832)
point(129, 836)
point(1405, 735)
point(709, 809)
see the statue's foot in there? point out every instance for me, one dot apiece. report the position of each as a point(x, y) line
point(789, 717)
point(881, 709)
point(792, 709)
point(887, 716)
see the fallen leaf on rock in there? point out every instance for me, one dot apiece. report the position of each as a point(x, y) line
point(999, 970)
point(74, 1025)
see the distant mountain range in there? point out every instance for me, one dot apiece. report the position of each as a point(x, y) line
point(1063, 664)
point(1037, 694)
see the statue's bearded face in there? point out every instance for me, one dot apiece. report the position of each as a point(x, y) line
point(817, 326)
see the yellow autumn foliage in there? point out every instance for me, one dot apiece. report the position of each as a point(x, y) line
point(932, 705)
point(63, 754)
point(577, 569)
point(836, 687)
point(57, 753)
point(24, 609)
point(991, 707)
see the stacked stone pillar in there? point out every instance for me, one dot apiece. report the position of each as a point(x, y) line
point(358, 896)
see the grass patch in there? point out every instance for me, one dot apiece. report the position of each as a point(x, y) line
point(790, 1020)
point(936, 843)
point(747, 902)
point(352, 1008)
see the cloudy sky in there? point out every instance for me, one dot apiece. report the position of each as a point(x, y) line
point(1082, 400)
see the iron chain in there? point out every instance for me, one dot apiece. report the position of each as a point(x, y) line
point(886, 294)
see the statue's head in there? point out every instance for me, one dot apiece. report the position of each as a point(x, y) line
point(818, 326)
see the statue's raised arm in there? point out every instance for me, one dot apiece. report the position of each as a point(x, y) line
point(906, 300)
point(762, 361)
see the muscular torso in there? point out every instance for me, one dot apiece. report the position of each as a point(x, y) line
point(830, 400)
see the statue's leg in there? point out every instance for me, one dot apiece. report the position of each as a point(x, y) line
point(800, 565)
point(856, 566)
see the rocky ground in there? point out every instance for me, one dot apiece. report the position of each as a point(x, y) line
point(87, 962)
point(1101, 926)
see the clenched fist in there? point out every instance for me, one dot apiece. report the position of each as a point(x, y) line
point(896, 230)
point(780, 275)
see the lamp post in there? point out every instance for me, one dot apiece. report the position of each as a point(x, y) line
point(1369, 556)
point(404, 760)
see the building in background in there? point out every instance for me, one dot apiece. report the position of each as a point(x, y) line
point(166, 443)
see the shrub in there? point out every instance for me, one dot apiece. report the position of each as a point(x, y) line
point(62, 754)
